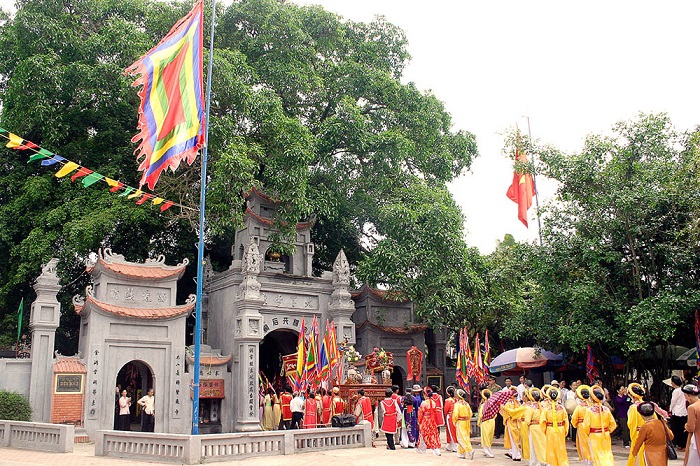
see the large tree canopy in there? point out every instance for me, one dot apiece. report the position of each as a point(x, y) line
point(306, 106)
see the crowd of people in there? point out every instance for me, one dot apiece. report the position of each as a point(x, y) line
point(535, 422)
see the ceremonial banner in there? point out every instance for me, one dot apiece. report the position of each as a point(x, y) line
point(171, 115)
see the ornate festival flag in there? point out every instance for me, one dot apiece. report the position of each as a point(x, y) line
point(324, 363)
point(591, 370)
point(301, 357)
point(522, 188)
point(479, 372)
point(171, 114)
point(312, 355)
point(487, 352)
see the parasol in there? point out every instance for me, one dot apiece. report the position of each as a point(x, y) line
point(494, 403)
point(525, 359)
point(689, 358)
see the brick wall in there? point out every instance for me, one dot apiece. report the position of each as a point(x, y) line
point(67, 408)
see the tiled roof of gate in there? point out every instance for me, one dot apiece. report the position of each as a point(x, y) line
point(157, 271)
point(69, 365)
point(140, 313)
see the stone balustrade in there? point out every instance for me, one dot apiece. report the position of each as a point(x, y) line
point(37, 436)
point(195, 449)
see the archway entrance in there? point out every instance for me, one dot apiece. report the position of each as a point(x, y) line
point(398, 378)
point(276, 344)
point(136, 378)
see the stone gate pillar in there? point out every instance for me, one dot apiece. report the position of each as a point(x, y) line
point(247, 337)
point(43, 322)
point(342, 306)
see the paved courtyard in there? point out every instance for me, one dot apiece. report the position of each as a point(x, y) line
point(84, 454)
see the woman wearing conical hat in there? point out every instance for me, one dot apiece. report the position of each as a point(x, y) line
point(635, 421)
point(555, 423)
point(583, 392)
point(536, 436)
point(598, 423)
point(462, 418)
point(487, 427)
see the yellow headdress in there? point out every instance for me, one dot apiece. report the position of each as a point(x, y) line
point(636, 391)
point(581, 389)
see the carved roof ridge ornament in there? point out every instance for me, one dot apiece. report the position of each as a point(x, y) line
point(249, 289)
point(341, 270)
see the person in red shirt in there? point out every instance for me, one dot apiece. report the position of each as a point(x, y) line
point(363, 409)
point(311, 411)
point(337, 403)
point(450, 431)
point(325, 408)
point(439, 415)
point(285, 401)
point(389, 413)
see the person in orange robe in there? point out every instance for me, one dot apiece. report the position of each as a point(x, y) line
point(692, 456)
point(363, 409)
point(439, 411)
point(450, 430)
point(653, 435)
point(429, 433)
point(598, 423)
point(583, 392)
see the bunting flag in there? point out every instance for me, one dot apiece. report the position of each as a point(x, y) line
point(171, 114)
point(468, 358)
point(87, 176)
point(301, 357)
point(20, 315)
point(521, 189)
point(334, 354)
point(591, 370)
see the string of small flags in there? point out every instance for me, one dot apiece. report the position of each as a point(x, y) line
point(88, 176)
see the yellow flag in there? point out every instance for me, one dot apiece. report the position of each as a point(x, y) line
point(67, 168)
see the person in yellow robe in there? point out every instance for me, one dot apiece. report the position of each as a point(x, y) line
point(512, 414)
point(276, 410)
point(538, 441)
point(635, 421)
point(462, 418)
point(583, 393)
point(488, 427)
point(555, 423)
point(598, 423)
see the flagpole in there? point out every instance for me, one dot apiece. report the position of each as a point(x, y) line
point(534, 183)
point(200, 244)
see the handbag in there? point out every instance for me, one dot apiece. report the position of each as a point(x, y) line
point(670, 449)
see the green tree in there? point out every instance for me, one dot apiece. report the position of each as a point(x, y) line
point(618, 267)
point(304, 105)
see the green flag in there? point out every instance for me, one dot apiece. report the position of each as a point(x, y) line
point(20, 313)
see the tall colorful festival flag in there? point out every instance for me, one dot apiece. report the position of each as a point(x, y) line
point(171, 115)
point(521, 189)
point(324, 363)
point(487, 352)
point(312, 355)
point(479, 374)
point(333, 352)
point(301, 357)
point(591, 370)
point(459, 371)
point(468, 358)
point(20, 315)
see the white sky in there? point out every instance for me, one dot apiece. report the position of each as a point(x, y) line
point(574, 68)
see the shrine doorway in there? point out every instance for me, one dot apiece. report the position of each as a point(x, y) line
point(398, 377)
point(276, 344)
point(136, 378)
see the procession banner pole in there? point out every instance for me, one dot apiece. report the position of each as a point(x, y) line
point(200, 245)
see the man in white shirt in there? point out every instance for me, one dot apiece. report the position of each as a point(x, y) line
point(297, 405)
point(148, 411)
point(521, 388)
point(679, 414)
